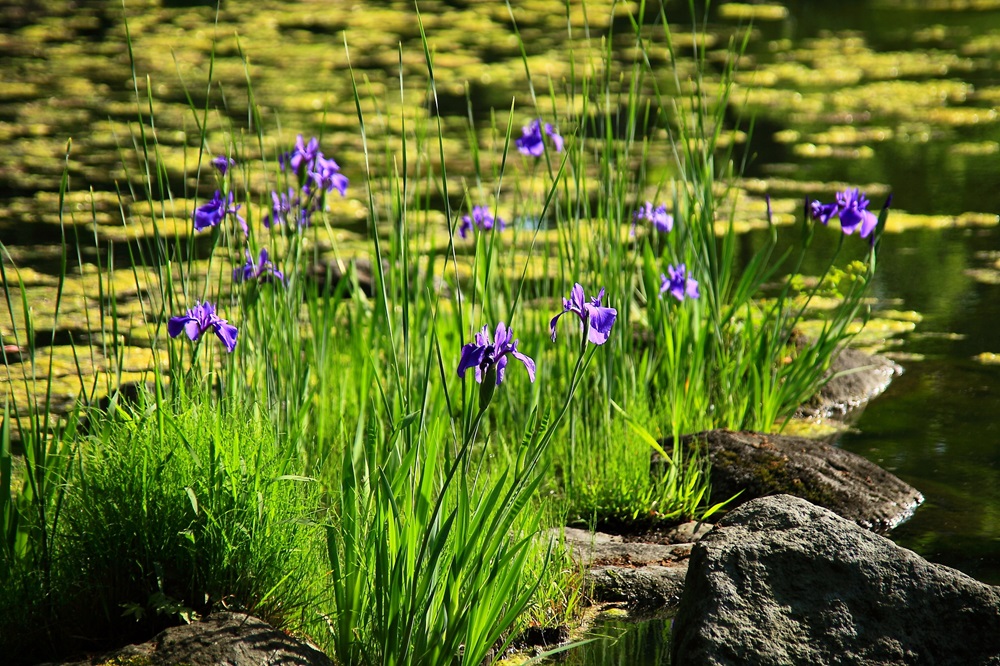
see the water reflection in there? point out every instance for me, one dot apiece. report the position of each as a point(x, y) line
point(936, 426)
point(621, 643)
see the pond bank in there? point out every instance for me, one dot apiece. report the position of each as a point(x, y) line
point(650, 579)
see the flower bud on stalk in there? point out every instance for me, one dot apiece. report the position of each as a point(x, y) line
point(488, 387)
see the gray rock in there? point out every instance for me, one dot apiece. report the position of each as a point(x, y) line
point(844, 482)
point(781, 581)
point(234, 639)
point(689, 532)
point(221, 639)
point(644, 589)
point(854, 378)
point(597, 548)
point(646, 577)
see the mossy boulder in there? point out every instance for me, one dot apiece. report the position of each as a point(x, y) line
point(749, 465)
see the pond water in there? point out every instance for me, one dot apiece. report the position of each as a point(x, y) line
point(621, 643)
point(893, 96)
point(937, 425)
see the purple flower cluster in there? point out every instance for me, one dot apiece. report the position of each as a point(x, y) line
point(852, 208)
point(481, 218)
point(213, 212)
point(675, 280)
point(282, 206)
point(489, 357)
point(532, 143)
point(317, 175)
point(661, 220)
point(200, 319)
point(313, 168)
point(261, 270)
point(679, 284)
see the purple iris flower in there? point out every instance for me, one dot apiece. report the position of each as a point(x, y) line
point(213, 212)
point(823, 212)
point(531, 141)
point(315, 171)
point(484, 354)
point(854, 212)
point(662, 220)
point(326, 174)
point(261, 270)
point(465, 226)
point(482, 218)
point(281, 206)
point(301, 154)
point(679, 284)
point(281, 209)
point(852, 208)
point(601, 319)
point(199, 319)
point(223, 163)
point(557, 140)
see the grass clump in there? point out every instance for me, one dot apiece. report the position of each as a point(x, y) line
point(170, 511)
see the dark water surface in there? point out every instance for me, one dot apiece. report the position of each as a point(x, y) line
point(894, 97)
point(938, 425)
point(619, 643)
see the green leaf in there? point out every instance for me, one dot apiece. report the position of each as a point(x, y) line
point(642, 432)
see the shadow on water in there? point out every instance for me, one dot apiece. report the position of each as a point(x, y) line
point(621, 643)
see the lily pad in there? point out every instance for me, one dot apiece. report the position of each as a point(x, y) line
point(988, 358)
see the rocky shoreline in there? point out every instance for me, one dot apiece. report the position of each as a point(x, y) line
point(796, 572)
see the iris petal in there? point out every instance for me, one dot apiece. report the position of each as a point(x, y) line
point(529, 364)
point(472, 357)
point(601, 321)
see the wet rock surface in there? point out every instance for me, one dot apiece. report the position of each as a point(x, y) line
point(782, 581)
point(646, 577)
point(757, 465)
point(232, 639)
point(644, 590)
point(855, 378)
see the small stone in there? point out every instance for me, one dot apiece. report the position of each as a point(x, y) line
point(645, 589)
point(688, 532)
point(647, 577)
